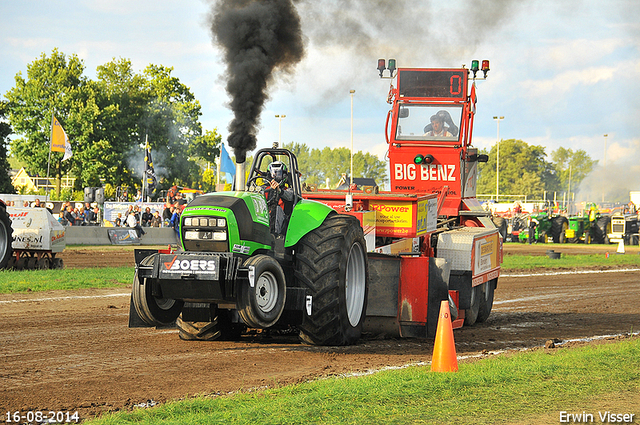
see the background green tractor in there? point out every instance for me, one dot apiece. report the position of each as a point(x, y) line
point(579, 229)
point(541, 227)
point(235, 272)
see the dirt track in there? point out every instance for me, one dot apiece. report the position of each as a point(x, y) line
point(72, 350)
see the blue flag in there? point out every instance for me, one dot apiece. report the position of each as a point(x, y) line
point(226, 165)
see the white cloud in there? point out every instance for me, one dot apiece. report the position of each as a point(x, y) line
point(563, 83)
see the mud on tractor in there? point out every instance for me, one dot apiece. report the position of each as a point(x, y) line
point(339, 262)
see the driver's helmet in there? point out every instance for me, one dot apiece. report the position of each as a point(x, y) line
point(277, 171)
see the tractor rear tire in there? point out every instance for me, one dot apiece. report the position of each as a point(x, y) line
point(501, 224)
point(261, 305)
point(486, 301)
point(219, 328)
point(559, 226)
point(331, 263)
point(602, 229)
point(152, 310)
point(6, 237)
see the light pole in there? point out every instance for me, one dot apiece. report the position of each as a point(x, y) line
point(280, 129)
point(352, 92)
point(498, 119)
point(604, 166)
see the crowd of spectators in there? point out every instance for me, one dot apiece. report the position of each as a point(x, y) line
point(134, 217)
point(85, 215)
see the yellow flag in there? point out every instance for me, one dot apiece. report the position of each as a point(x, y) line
point(59, 140)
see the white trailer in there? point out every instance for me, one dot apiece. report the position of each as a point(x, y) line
point(37, 238)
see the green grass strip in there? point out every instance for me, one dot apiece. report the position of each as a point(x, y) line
point(47, 280)
point(108, 277)
point(504, 389)
point(511, 262)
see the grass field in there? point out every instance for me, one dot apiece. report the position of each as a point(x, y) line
point(527, 262)
point(529, 387)
point(44, 280)
point(47, 280)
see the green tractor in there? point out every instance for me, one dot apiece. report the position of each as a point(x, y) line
point(542, 226)
point(590, 227)
point(579, 229)
point(236, 271)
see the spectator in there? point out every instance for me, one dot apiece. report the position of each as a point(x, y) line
point(171, 194)
point(68, 215)
point(156, 221)
point(26, 204)
point(167, 213)
point(37, 204)
point(180, 200)
point(61, 218)
point(133, 223)
point(137, 212)
point(80, 217)
point(118, 221)
point(175, 219)
point(89, 216)
point(146, 217)
point(96, 214)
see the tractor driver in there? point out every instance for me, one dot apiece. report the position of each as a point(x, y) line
point(277, 192)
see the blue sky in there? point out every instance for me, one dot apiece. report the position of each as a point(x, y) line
point(562, 73)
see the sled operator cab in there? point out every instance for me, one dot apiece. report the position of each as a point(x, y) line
point(429, 130)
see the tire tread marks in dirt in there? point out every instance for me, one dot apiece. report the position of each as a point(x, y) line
point(321, 261)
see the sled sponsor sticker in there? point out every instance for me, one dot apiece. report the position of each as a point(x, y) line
point(177, 265)
point(486, 253)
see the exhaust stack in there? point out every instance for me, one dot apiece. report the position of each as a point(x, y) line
point(240, 177)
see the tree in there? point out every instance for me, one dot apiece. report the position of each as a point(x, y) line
point(523, 170)
point(121, 99)
point(54, 85)
point(171, 119)
point(5, 131)
point(571, 165)
point(318, 165)
point(108, 122)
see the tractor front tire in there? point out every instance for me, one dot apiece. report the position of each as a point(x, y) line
point(6, 237)
point(152, 310)
point(331, 263)
point(261, 305)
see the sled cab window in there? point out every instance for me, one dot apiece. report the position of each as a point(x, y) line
point(428, 122)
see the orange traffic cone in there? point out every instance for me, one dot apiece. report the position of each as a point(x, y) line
point(444, 349)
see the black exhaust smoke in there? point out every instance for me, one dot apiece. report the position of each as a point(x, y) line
point(258, 37)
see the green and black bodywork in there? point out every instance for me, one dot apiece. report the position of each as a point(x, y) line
point(232, 272)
